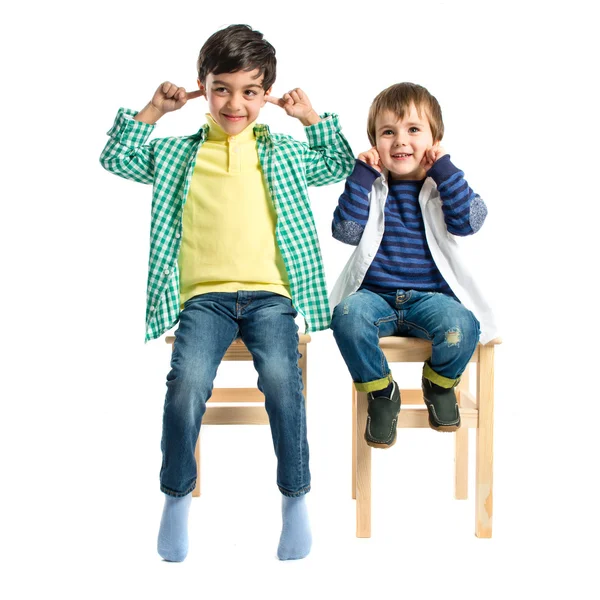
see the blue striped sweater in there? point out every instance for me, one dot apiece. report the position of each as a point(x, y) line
point(403, 260)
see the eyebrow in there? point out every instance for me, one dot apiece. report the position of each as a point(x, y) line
point(410, 124)
point(219, 82)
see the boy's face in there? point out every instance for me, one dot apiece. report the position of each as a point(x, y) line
point(401, 143)
point(234, 99)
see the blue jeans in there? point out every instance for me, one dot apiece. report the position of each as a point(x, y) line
point(207, 325)
point(364, 317)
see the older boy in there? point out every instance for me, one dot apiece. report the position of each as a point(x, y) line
point(402, 206)
point(234, 253)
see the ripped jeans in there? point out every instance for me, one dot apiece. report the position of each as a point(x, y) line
point(364, 317)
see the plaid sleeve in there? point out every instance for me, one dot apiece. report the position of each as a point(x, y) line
point(125, 153)
point(328, 156)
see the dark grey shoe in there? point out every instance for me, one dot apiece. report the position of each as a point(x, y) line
point(441, 405)
point(382, 419)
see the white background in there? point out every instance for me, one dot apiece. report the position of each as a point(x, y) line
point(82, 395)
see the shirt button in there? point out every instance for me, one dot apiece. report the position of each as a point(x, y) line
point(152, 308)
point(177, 235)
point(167, 271)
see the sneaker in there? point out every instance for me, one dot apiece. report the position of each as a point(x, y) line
point(382, 419)
point(442, 406)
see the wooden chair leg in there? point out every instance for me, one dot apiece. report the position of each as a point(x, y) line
point(363, 472)
point(196, 491)
point(485, 443)
point(354, 427)
point(461, 450)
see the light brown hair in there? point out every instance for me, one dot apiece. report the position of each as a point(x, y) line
point(398, 98)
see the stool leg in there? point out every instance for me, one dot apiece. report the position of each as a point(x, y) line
point(196, 491)
point(485, 443)
point(461, 450)
point(363, 472)
point(302, 363)
point(354, 427)
point(461, 463)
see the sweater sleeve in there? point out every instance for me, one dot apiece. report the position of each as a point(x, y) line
point(464, 211)
point(352, 212)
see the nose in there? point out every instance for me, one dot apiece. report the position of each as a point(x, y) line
point(235, 102)
point(399, 141)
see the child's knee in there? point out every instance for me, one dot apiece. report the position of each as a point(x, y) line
point(342, 320)
point(460, 331)
point(190, 374)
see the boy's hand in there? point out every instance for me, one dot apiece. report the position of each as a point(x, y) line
point(371, 157)
point(431, 155)
point(167, 98)
point(296, 104)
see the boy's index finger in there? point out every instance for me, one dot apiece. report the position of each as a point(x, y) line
point(275, 100)
point(195, 94)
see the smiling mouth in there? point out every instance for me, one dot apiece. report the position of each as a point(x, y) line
point(401, 156)
point(234, 118)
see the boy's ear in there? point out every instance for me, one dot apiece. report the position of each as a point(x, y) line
point(201, 88)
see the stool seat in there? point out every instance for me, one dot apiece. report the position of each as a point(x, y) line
point(249, 409)
point(409, 349)
point(476, 412)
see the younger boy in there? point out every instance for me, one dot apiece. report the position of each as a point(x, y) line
point(402, 206)
point(234, 253)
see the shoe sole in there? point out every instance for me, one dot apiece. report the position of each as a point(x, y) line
point(378, 445)
point(449, 428)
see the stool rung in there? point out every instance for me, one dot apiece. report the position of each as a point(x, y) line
point(412, 397)
point(236, 395)
point(235, 415)
point(418, 417)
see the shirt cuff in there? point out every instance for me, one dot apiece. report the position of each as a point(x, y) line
point(321, 133)
point(364, 174)
point(127, 131)
point(442, 170)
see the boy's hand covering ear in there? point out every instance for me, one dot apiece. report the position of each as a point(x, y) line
point(169, 97)
point(431, 155)
point(371, 157)
point(296, 104)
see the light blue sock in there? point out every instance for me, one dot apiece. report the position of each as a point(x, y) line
point(173, 534)
point(296, 540)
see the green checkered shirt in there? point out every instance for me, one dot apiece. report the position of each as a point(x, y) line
point(289, 168)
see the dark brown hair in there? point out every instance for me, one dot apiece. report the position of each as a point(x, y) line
point(237, 48)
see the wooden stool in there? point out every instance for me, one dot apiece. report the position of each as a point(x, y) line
point(240, 415)
point(475, 412)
